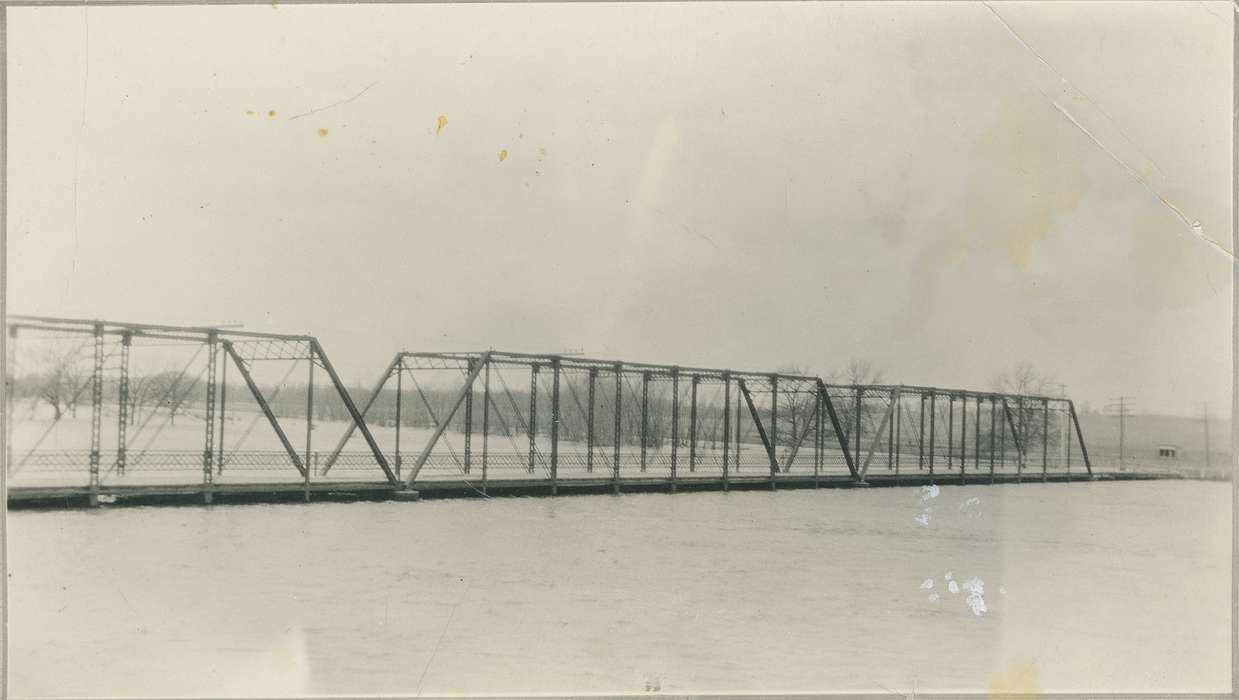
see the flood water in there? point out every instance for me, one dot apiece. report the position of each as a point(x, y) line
point(1061, 587)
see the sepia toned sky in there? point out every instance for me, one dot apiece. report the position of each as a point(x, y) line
point(945, 189)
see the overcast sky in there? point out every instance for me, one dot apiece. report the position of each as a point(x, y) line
point(943, 189)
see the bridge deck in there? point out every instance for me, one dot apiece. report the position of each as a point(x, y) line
point(147, 494)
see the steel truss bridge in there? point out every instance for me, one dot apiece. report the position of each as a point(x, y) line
point(485, 422)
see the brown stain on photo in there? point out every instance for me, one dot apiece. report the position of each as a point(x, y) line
point(322, 132)
point(440, 123)
point(271, 113)
point(503, 155)
point(1020, 679)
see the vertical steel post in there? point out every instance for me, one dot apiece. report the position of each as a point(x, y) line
point(774, 417)
point(726, 423)
point(963, 431)
point(208, 464)
point(1045, 440)
point(399, 409)
point(859, 407)
point(675, 421)
point(950, 431)
point(469, 365)
point(533, 414)
point(920, 436)
point(692, 425)
point(122, 402)
point(555, 367)
point(963, 436)
point(223, 412)
point(309, 426)
point(1002, 435)
point(976, 438)
point(933, 421)
point(890, 433)
point(993, 429)
point(1068, 437)
point(589, 428)
point(96, 415)
point(619, 408)
point(485, 422)
point(739, 415)
point(898, 430)
point(818, 442)
point(645, 411)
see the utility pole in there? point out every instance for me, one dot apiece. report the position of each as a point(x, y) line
point(1122, 405)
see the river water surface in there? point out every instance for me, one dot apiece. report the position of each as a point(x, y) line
point(1061, 587)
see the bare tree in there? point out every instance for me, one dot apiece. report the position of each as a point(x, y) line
point(1025, 379)
point(796, 404)
point(170, 390)
point(59, 381)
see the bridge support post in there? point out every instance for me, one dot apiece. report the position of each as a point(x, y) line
point(619, 407)
point(122, 403)
point(555, 365)
point(920, 436)
point(950, 431)
point(223, 413)
point(976, 438)
point(589, 421)
point(485, 422)
point(963, 437)
point(96, 415)
point(1045, 440)
point(933, 420)
point(675, 422)
point(533, 414)
point(692, 424)
point(898, 430)
point(1002, 436)
point(1067, 437)
point(993, 429)
point(399, 408)
point(774, 425)
point(309, 426)
point(469, 421)
point(858, 408)
point(208, 452)
point(645, 414)
point(817, 435)
point(726, 425)
point(890, 432)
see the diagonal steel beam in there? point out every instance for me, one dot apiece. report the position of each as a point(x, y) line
point(266, 408)
point(877, 436)
point(447, 418)
point(761, 429)
point(838, 428)
point(352, 427)
point(1080, 435)
point(358, 419)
